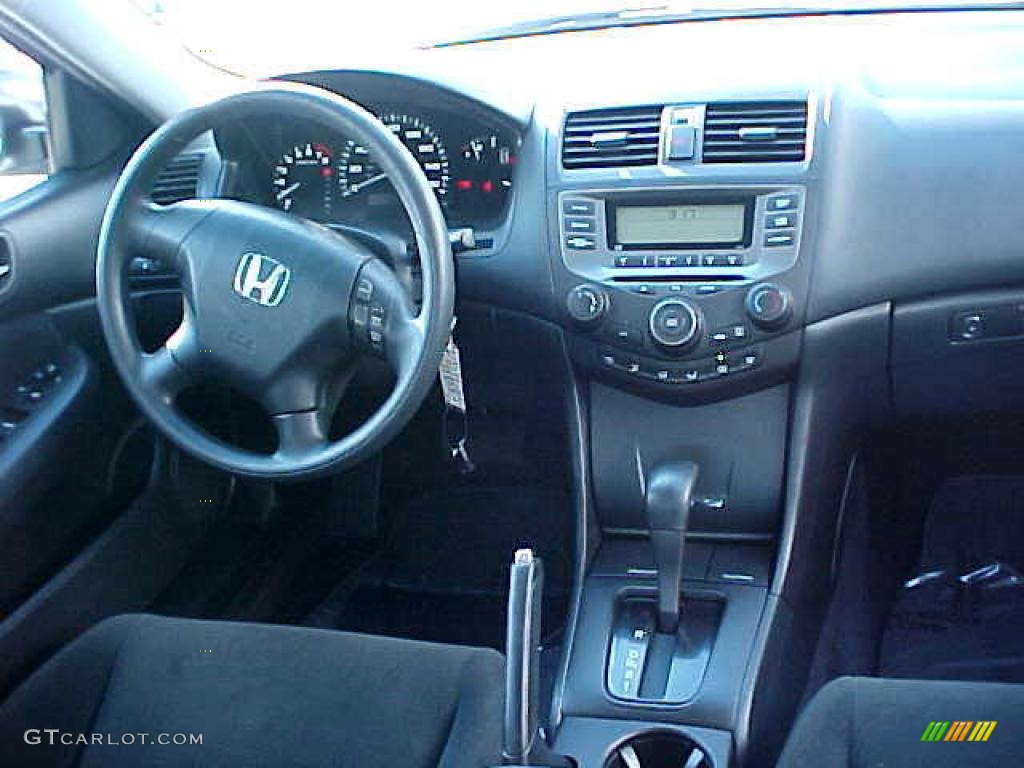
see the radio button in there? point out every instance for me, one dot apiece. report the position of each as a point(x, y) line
point(580, 242)
point(578, 207)
point(691, 259)
point(782, 203)
point(644, 289)
point(670, 260)
point(733, 259)
point(780, 220)
point(574, 225)
point(778, 239)
point(630, 260)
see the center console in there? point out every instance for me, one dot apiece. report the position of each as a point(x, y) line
point(681, 289)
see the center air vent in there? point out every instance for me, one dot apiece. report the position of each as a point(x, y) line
point(755, 132)
point(178, 180)
point(611, 138)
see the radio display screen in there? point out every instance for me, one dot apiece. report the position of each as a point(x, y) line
point(701, 225)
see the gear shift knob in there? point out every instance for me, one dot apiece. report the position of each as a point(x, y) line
point(669, 497)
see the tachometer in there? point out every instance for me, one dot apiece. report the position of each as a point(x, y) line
point(357, 171)
point(304, 181)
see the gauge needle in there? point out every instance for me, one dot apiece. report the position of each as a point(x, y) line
point(288, 190)
point(364, 184)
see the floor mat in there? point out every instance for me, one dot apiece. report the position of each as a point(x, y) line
point(443, 574)
point(962, 616)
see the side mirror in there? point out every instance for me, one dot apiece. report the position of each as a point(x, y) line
point(24, 142)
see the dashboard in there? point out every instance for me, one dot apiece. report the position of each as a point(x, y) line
point(674, 267)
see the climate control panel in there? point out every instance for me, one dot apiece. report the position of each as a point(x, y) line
point(682, 338)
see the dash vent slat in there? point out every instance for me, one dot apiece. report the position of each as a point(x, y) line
point(755, 132)
point(612, 138)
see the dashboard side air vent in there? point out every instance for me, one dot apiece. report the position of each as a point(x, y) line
point(6, 264)
point(611, 138)
point(178, 180)
point(755, 132)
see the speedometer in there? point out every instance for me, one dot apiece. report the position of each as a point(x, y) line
point(357, 171)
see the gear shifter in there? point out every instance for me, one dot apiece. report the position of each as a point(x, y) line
point(669, 497)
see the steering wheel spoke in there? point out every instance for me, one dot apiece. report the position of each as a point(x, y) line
point(159, 231)
point(301, 434)
point(164, 374)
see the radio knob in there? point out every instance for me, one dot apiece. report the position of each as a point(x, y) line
point(769, 305)
point(587, 304)
point(674, 323)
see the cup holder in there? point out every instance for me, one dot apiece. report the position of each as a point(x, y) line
point(658, 749)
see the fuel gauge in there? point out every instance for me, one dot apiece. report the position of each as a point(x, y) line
point(484, 179)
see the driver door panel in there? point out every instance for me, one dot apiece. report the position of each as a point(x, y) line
point(62, 413)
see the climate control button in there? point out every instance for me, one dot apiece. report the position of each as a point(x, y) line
point(587, 304)
point(769, 305)
point(674, 323)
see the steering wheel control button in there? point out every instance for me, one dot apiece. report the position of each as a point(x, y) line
point(673, 323)
point(587, 304)
point(364, 290)
point(368, 317)
point(769, 305)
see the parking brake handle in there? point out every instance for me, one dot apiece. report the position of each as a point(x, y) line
point(522, 654)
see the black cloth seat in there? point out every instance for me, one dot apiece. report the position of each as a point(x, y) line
point(259, 695)
point(858, 722)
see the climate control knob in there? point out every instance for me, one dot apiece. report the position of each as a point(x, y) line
point(674, 324)
point(769, 305)
point(587, 304)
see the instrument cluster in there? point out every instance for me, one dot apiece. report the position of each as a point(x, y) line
point(305, 170)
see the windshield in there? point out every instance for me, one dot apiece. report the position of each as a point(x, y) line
point(268, 38)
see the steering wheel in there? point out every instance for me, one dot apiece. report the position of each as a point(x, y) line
point(275, 306)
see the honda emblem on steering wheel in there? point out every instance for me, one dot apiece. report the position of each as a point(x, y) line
point(261, 279)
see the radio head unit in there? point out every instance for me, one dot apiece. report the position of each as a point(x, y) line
point(680, 233)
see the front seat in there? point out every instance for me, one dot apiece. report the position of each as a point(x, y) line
point(859, 722)
point(259, 695)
